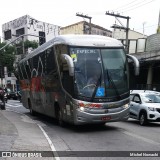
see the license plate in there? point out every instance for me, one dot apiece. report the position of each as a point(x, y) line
point(106, 118)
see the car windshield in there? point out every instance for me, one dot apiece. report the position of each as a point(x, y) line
point(151, 98)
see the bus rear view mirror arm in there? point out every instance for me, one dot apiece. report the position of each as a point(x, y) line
point(136, 63)
point(70, 64)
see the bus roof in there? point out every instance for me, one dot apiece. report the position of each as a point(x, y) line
point(88, 40)
point(77, 40)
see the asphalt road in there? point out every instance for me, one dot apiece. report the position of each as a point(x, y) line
point(94, 139)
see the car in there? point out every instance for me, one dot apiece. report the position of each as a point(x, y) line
point(12, 95)
point(145, 106)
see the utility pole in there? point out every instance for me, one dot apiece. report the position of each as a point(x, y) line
point(23, 45)
point(126, 29)
point(85, 16)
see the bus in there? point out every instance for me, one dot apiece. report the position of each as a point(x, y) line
point(54, 79)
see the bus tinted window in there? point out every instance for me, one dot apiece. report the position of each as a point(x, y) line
point(50, 61)
point(24, 71)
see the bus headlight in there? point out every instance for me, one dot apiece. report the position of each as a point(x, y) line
point(126, 105)
point(81, 108)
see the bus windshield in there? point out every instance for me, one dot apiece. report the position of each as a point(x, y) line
point(100, 73)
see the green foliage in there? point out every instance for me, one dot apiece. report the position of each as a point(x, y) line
point(7, 56)
point(27, 44)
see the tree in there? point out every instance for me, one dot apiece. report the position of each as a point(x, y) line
point(27, 44)
point(7, 56)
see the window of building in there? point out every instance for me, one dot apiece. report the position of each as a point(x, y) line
point(20, 32)
point(42, 38)
point(7, 34)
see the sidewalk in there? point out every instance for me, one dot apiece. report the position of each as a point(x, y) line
point(20, 133)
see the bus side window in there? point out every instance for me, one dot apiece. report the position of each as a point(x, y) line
point(34, 66)
point(24, 71)
point(27, 66)
point(50, 62)
point(20, 72)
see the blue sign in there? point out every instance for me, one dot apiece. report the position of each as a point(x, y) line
point(100, 92)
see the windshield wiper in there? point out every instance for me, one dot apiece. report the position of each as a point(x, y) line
point(97, 84)
point(111, 80)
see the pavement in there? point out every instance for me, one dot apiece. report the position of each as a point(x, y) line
point(20, 133)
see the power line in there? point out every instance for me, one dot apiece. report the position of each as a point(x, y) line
point(137, 6)
point(134, 5)
point(125, 5)
point(146, 27)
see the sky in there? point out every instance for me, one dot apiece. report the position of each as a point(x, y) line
point(143, 14)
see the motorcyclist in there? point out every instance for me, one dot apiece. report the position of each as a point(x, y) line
point(2, 94)
point(2, 105)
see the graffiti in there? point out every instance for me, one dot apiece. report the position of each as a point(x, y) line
point(39, 26)
point(15, 23)
point(39, 71)
point(32, 23)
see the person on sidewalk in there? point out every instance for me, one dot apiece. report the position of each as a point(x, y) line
point(2, 104)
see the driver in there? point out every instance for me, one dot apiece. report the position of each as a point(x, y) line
point(93, 80)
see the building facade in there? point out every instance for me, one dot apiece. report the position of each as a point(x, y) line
point(136, 40)
point(33, 30)
point(30, 27)
point(84, 27)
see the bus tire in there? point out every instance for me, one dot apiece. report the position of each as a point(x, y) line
point(59, 116)
point(30, 108)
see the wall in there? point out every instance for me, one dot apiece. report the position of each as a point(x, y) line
point(153, 43)
point(121, 34)
point(83, 27)
point(31, 26)
point(76, 28)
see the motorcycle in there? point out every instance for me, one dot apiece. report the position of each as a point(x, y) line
point(5, 97)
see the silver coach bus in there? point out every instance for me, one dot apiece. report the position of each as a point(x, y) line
point(79, 79)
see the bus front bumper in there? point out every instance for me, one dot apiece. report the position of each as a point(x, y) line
point(115, 115)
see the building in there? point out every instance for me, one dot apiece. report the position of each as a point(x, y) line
point(33, 30)
point(136, 40)
point(84, 27)
point(30, 27)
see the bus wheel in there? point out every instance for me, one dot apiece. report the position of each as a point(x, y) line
point(59, 118)
point(30, 108)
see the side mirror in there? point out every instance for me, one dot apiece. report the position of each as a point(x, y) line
point(136, 63)
point(69, 63)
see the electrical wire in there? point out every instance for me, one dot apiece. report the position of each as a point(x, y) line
point(124, 6)
point(133, 8)
point(146, 27)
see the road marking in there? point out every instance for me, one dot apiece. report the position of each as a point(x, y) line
point(141, 138)
point(13, 105)
point(50, 142)
point(45, 134)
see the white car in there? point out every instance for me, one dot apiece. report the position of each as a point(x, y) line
point(145, 106)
